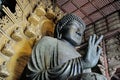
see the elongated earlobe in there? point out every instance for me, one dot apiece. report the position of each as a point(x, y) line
point(60, 36)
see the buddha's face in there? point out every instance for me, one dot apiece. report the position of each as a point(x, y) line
point(73, 32)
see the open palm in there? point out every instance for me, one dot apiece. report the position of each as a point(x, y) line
point(94, 51)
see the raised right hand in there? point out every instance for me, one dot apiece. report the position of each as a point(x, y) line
point(93, 54)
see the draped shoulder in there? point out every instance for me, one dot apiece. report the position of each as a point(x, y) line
point(46, 40)
point(44, 56)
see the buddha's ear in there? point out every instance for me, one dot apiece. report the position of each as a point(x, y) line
point(60, 35)
point(56, 31)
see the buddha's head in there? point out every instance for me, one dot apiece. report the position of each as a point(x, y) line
point(70, 28)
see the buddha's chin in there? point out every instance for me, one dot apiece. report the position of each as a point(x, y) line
point(77, 44)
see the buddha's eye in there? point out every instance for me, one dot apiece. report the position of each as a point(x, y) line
point(79, 33)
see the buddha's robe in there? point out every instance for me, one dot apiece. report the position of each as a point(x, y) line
point(53, 59)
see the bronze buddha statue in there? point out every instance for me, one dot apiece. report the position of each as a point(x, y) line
point(56, 58)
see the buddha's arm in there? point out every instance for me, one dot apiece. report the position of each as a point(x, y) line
point(61, 72)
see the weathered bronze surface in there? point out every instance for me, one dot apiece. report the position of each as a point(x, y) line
point(56, 58)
